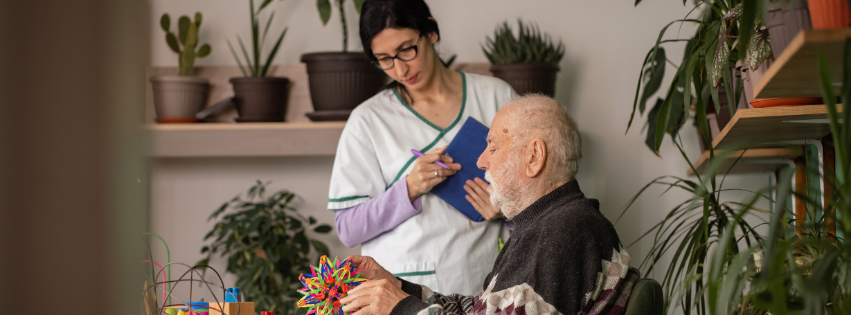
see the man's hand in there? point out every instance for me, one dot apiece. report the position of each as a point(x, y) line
point(479, 197)
point(377, 297)
point(373, 271)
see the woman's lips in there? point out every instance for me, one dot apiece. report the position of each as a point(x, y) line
point(412, 79)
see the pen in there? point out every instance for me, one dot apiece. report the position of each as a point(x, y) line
point(419, 154)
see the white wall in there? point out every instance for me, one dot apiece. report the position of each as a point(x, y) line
point(606, 42)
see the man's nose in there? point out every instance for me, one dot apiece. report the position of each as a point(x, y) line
point(483, 162)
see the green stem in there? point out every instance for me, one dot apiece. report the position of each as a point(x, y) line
point(167, 258)
point(345, 27)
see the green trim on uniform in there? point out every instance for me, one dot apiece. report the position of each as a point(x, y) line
point(442, 131)
point(415, 273)
point(415, 112)
point(346, 198)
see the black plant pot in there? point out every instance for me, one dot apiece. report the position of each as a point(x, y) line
point(260, 99)
point(528, 78)
point(340, 81)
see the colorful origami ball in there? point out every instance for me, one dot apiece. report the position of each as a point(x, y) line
point(323, 291)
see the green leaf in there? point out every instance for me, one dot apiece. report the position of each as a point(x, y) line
point(183, 28)
point(198, 19)
point(759, 49)
point(244, 73)
point(320, 248)
point(322, 229)
point(656, 72)
point(272, 54)
point(263, 5)
point(165, 22)
point(172, 42)
point(720, 57)
point(358, 5)
point(324, 7)
point(747, 23)
point(253, 74)
point(204, 51)
point(311, 220)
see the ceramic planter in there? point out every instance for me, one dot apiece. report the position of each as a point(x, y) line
point(528, 78)
point(178, 98)
point(261, 99)
point(339, 82)
point(784, 21)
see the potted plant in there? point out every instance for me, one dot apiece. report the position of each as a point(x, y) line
point(178, 98)
point(266, 246)
point(340, 81)
point(528, 62)
point(259, 98)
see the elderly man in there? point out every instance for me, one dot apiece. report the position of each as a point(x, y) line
point(564, 257)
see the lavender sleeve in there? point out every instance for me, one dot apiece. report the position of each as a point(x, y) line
point(382, 213)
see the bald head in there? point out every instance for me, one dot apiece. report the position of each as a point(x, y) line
point(541, 117)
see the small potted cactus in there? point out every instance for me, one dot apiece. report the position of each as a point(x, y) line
point(178, 98)
point(528, 62)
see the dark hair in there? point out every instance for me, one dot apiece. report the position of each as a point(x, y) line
point(377, 15)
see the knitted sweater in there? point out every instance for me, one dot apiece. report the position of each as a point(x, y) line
point(564, 257)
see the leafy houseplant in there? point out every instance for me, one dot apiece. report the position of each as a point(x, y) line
point(265, 242)
point(340, 81)
point(727, 31)
point(528, 62)
point(259, 97)
point(178, 98)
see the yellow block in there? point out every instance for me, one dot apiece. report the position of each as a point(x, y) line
point(243, 308)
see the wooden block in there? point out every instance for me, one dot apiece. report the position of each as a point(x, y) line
point(241, 308)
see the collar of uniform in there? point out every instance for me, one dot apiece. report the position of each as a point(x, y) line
point(564, 193)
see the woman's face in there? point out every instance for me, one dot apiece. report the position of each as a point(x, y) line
point(414, 73)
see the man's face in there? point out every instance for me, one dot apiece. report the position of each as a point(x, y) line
point(501, 162)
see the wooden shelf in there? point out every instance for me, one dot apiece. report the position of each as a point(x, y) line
point(795, 72)
point(761, 127)
point(760, 130)
point(244, 139)
point(752, 161)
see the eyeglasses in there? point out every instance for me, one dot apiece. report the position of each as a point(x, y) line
point(406, 54)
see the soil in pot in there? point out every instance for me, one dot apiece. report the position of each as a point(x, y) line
point(260, 99)
point(528, 78)
point(178, 98)
point(340, 81)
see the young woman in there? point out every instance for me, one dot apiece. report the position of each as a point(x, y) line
point(380, 191)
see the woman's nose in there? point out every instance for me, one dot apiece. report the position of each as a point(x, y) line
point(401, 68)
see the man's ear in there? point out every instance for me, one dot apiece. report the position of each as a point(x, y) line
point(538, 156)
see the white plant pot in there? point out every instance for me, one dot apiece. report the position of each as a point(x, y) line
point(178, 98)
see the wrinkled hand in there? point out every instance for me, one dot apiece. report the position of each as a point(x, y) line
point(371, 270)
point(377, 297)
point(421, 179)
point(479, 197)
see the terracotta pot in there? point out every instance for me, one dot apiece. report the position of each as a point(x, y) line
point(178, 98)
point(829, 13)
point(528, 78)
point(340, 81)
point(260, 99)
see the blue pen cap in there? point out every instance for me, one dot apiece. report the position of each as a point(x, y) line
point(233, 295)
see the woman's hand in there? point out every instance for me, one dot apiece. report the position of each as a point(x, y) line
point(372, 270)
point(425, 174)
point(373, 297)
point(479, 197)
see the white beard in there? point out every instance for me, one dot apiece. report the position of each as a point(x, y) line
point(504, 190)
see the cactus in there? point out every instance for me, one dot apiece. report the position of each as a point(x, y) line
point(188, 38)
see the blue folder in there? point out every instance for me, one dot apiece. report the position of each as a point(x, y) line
point(464, 149)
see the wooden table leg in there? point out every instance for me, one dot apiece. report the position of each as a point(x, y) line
point(829, 160)
point(800, 188)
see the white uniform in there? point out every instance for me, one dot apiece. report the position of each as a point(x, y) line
point(435, 247)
